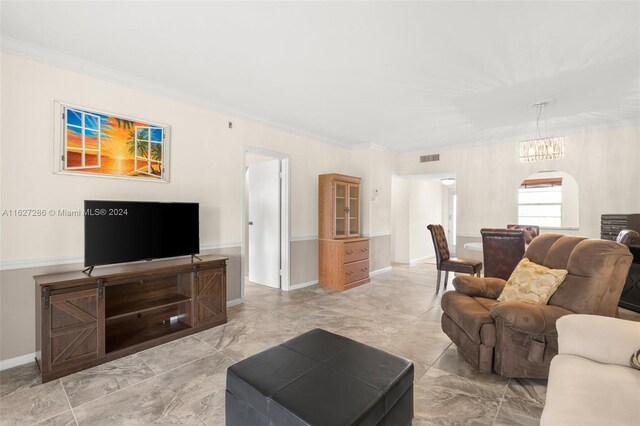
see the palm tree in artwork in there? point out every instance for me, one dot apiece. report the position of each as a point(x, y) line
point(142, 147)
point(156, 155)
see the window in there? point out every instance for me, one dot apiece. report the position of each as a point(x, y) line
point(82, 140)
point(540, 202)
point(148, 150)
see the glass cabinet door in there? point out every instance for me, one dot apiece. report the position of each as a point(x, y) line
point(354, 210)
point(340, 225)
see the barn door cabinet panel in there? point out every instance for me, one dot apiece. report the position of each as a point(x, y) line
point(210, 307)
point(83, 321)
point(343, 253)
point(73, 324)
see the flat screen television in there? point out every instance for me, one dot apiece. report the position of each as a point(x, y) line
point(127, 231)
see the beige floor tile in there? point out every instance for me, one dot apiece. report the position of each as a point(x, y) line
point(197, 379)
point(446, 399)
point(33, 405)
point(149, 402)
point(174, 354)
point(210, 409)
point(18, 378)
point(64, 419)
point(104, 379)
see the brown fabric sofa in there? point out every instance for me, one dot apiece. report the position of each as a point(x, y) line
point(518, 339)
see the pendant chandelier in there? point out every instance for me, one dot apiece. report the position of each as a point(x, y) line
point(550, 148)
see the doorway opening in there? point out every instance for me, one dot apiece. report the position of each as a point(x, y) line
point(265, 219)
point(451, 218)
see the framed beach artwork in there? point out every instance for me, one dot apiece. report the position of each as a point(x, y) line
point(95, 143)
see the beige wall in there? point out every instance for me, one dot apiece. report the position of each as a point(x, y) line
point(304, 261)
point(206, 167)
point(415, 204)
point(379, 252)
point(400, 220)
point(603, 162)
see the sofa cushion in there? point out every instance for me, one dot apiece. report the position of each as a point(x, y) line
point(469, 314)
point(532, 283)
point(585, 392)
point(456, 264)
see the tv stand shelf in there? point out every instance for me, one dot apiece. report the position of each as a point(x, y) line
point(140, 306)
point(83, 321)
point(136, 337)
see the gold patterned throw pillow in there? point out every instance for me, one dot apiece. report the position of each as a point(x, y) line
point(532, 283)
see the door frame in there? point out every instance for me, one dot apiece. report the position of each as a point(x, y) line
point(285, 214)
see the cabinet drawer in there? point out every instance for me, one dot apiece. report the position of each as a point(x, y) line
point(356, 251)
point(356, 271)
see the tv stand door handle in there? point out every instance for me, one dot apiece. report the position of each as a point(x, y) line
point(100, 288)
point(47, 297)
point(250, 223)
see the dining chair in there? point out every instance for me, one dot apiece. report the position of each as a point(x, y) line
point(530, 232)
point(502, 250)
point(444, 261)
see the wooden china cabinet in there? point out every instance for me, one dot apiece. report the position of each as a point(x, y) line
point(343, 253)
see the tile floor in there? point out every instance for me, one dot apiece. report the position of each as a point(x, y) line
point(183, 382)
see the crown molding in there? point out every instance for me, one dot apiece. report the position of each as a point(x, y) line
point(71, 63)
point(375, 147)
point(619, 124)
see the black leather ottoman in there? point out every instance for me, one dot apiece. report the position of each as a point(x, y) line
point(320, 378)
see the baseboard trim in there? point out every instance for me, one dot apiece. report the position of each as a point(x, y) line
point(16, 361)
point(234, 302)
point(420, 259)
point(380, 271)
point(302, 285)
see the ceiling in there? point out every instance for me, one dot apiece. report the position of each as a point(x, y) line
point(405, 76)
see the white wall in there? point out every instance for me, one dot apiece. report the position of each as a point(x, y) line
point(603, 162)
point(416, 203)
point(400, 220)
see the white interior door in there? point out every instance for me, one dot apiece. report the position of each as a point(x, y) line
point(263, 184)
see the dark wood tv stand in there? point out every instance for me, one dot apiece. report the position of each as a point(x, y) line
point(83, 321)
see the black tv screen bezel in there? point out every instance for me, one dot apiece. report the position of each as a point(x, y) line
point(118, 204)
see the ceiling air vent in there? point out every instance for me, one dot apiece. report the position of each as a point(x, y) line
point(429, 158)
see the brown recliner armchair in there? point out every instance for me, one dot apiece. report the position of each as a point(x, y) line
point(518, 339)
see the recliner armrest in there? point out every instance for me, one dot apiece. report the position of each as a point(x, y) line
point(527, 317)
point(602, 339)
point(479, 287)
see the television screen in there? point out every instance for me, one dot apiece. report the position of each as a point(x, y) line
point(126, 231)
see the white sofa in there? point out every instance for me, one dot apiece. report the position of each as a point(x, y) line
point(590, 380)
